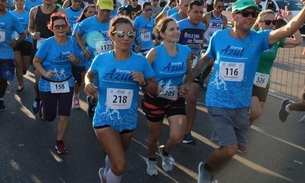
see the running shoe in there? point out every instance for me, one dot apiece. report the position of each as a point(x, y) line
point(283, 114)
point(76, 103)
point(2, 106)
point(188, 138)
point(20, 90)
point(60, 147)
point(241, 149)
point(101, 174)
point(151, 168)
point(36, 106)
point(203, 175)
point(167, 161)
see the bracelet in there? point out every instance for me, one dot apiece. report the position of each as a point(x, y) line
point(146, 83)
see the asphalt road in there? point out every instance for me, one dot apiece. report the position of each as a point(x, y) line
point(276, 150)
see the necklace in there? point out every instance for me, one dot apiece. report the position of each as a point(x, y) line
point(244, 39)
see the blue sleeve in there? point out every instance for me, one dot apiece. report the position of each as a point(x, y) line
point(148, 70)
point(17, 26)
point(42, 51)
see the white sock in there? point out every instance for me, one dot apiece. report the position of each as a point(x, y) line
point(287, 108)
point(111, 178)
point(76, 95)
point(108, 163)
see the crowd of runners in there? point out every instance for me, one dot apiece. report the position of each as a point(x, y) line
point(113, 50)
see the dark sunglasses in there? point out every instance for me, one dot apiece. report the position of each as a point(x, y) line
point(63, 26)
point(121, 34)
point(268, 22)
point(134, 0)
point(148, 9)
point(156, 0)
point(254, 14)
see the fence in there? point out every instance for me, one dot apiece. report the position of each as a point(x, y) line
point(288, 73)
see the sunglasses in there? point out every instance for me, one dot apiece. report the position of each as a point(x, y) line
point(62, 26)
point(121, 34)
point(254, 14)
point(148, 9)
point(268, 22)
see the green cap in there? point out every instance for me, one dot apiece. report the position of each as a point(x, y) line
point(244, 4)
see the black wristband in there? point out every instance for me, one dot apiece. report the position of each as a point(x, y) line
point(146, 83)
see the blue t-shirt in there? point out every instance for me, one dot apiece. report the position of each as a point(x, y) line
point(55, 57)
point(72, 16)
point(170, 70)
point(191, 35)
point(172, 11)
point(96, 44)
point(23, 18)
point(32, 3)
point(141, 24)
point(235, 65)
point(118, 92)
point(176, 17)
point(8, 24)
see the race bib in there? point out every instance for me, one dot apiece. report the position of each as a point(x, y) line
point(146, 36)
point(170, 92)
point(103, 46)
point(231, 71)
point(39, 42)
point(261, 79)
point(2, 36)
point(119, 98)
point(62, 87)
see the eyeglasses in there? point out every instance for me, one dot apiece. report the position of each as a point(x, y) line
point(268, 22)
point(220, 7)
point(63, 26)
point(148, 9)
point(254, 14)
point(121, 34)
point(134, 0)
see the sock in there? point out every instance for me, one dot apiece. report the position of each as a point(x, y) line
point(111, 178)
point(108, 164)
point(152, 159)
point(76, 95)
point(164, 152)
point(207, 167)
point(287, 108)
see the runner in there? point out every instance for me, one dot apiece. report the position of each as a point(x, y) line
point(23, 50)
point(54, 60)
point(171, 62)
point(192, 35)
point(120, 73)
point(38, 29)
point(228, 96)
point(95, 30)
point(8, 24)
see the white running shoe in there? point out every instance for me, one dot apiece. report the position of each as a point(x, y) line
point(101, 174)
point(151, 168)
point(167, 161)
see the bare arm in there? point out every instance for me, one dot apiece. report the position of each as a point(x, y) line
point(31, 27)
point(160, 16)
